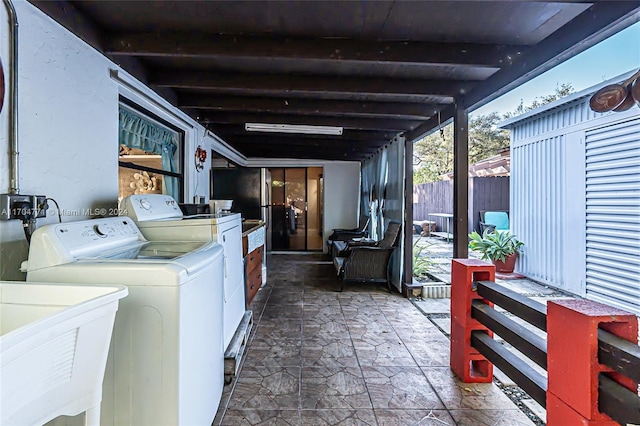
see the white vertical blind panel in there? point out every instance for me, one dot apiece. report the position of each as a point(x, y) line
point(537, 208)
point(613, 215)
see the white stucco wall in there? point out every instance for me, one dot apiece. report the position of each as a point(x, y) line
point(68, 131)
point(341, 196)
point(66, 145)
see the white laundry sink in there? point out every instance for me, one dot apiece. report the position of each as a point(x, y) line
point(54, 342)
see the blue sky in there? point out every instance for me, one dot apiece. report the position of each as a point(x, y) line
point(611, 57)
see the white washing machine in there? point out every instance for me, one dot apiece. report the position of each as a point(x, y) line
point(165, 365)
point(159, 218)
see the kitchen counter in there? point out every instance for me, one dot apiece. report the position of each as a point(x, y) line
point(250, 225)
point(253, 239)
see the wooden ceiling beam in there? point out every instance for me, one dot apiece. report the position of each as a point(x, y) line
point(277, 141)
point(288, 105)
point(281, 85)
point(190, 45)
point(346, 122)
point(261, 150)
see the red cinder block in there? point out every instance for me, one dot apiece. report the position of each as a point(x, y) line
point(463, 273)
point(572, 354)
point(560, 414)
point(467, 363)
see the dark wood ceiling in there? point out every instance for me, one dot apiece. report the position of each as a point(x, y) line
point(375, 68)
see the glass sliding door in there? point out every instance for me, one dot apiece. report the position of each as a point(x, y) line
point(279, 234)
point(314, 208)
point(295, 190)
point(296, 200)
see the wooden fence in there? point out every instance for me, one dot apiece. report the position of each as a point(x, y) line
point(485, 193)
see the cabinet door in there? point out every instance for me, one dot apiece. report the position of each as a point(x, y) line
point(231, 241)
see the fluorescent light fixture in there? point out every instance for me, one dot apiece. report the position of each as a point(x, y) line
point(293, 128)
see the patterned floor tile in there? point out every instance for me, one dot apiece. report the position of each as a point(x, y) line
point(320, 298)
point(277, 331)
point(292, 312)
point(413, 417)
point(319, 352)
point(275, 353)
point(266, 388)
point(429, 350)
point(373, 333)
point(456, 394)
point(370, 319)
point(327, 330)
point(333, 388)
point(338, 417)
point(383, 353)
point(317, 356)
point(400, 387)
point(424, 332)
point(490, 418)
point(325, 310)
point(261, 417)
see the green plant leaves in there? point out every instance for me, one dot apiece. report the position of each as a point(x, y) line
point(495, 245)
point(421, 265)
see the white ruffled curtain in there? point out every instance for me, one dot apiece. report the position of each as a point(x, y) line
point(135, 131)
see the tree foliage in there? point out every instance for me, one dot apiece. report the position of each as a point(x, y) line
point(435, 151)
point(561, 91)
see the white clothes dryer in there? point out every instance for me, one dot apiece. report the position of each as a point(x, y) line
point(159, 218)
point(165, 364)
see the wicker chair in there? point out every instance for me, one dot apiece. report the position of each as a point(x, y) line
point(366, 262)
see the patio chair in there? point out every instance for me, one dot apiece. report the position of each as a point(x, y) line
point(349, 234)
point(367, 262)
point(494, 221)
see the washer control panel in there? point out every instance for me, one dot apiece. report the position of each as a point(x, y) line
point(94, 236)
point(150, 207)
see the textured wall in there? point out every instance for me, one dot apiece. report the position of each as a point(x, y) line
point(66, 144)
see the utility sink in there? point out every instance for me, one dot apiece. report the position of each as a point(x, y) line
point(54, 342)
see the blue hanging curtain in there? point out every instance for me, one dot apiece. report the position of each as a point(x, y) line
point(394, 204)
point(136, 131)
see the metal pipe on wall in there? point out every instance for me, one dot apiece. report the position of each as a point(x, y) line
point(14, 164)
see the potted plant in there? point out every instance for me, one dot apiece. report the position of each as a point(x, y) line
point(500, 247)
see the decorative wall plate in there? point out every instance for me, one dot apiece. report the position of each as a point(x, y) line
point(608, 98)
point(1, 86)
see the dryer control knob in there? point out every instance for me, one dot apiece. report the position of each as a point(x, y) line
point(145, 204)
point(101, 230)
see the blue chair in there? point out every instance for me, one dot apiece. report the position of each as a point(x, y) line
point(494, 221)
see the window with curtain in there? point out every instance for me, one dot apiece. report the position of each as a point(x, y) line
point(150, 155)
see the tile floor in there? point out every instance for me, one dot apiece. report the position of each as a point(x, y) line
point(361, 357)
